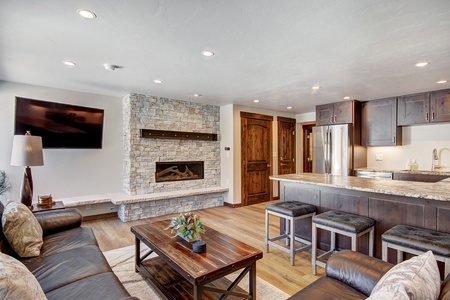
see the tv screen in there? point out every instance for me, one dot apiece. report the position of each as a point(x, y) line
point(60, 125)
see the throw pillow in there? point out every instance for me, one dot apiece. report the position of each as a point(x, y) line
point(16, 281)
point(415, 278)
point(22, 230)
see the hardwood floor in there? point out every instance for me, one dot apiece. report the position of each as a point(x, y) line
point(243, 223)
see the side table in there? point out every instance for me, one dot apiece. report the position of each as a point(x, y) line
point(56, 205)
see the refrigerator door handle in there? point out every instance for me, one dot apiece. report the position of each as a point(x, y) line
point(330, 148)
point(328, 152)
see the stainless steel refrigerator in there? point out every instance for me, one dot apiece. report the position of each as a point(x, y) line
point(336, 150)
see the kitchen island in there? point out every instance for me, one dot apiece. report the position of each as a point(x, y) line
point(388, 202)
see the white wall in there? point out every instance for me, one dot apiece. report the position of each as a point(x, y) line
point(418, 143)
point(227, 156)
point(66, 172)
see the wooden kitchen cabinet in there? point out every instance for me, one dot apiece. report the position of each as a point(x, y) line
point(423, 108)
point(337, 113)
point(379, 123)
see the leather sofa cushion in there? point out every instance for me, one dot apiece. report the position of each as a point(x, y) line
point(100, 286)
point(66, 267)
point(68, 240)
point(326, 288)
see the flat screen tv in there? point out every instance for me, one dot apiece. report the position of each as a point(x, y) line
point(60, 125)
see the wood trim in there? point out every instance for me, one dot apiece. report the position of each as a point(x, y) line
point(278, 197)
point(286, 120)
point(256, 116)
point(177, 135)
point(232, 205)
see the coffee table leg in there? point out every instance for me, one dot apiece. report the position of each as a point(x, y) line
point(252, 281)
point(197, 292)
point(137, 254)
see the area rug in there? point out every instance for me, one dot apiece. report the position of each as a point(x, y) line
point(122, 262)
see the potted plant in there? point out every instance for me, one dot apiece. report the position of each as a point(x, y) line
point(5, 186)
point(186, 225)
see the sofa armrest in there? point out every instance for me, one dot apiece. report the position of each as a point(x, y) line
point(54, 221)
point(357, 270)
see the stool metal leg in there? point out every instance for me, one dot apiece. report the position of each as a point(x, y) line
point(314, 248)
point(371, 241)
point(333, 241)
point(446, 266)
point(399, 256)
point(267, 232)
point(384, 250)
point(354, 243)
point(288, 231)
point(292, 241)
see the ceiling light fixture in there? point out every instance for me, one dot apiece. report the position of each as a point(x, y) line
point(422, 64)
point(346, 98)
point(109, 67)
point(207, 53)
point(86, 14)
point(69, 63)
point(197, 95)
point(316, 87)
point(442, 81)
point(256, 101)
point(289, 107)
point(157, 81)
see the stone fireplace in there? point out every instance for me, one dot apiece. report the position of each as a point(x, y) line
point(179, 170)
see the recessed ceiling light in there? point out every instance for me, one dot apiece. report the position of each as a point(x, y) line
point(289, 107)
point(157, 81)
point(86, 14)
point(442, 81)
point(346, 98)
point(256, 101)
point(316, 87)
point(109, 67)
point(207, 53)
point(422, 64)
point(69, 63)
point(197, 95)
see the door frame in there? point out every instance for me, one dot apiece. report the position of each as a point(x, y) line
point(244, 200)
point(304, 143)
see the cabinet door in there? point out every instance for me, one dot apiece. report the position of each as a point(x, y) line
point(440, 106)
point(324, 114)
point(413, 109)
point(343, 112)
point(379, 123)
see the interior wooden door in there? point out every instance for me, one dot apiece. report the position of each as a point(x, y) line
point(256, 158)
point(286, 145)
point(307, 147)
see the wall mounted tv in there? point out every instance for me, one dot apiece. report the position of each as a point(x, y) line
point(60, 125)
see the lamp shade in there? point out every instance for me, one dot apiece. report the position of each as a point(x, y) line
point(27, 151)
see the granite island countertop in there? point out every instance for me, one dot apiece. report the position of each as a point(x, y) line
point(434, 191)
point(422, 172)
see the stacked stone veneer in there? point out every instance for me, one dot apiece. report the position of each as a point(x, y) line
point(141, 154)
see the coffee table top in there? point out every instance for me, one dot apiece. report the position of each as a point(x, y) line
point(223, 255)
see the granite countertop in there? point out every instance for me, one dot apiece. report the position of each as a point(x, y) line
point(423, 172)
point(426, 190)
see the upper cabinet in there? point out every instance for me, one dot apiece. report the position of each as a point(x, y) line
point(379, 123)
point(424, 108)
point(336, 113)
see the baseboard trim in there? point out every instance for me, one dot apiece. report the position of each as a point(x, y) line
point(232, 205)
point(102, 216)
point(276, 198)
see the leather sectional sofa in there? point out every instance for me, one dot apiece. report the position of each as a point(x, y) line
point(352, 275)
point(70, 265)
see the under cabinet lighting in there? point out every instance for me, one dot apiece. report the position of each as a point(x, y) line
point(86, 14)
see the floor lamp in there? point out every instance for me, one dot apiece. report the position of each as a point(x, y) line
point(26, 152)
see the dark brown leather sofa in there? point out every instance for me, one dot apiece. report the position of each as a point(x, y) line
point(71, 265)
point(352, 275)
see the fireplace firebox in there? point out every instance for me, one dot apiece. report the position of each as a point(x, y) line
point(178, 170)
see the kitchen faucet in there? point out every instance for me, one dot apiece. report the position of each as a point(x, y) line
point(435, 161)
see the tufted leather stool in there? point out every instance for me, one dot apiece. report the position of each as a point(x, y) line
point(415, 240)
point(343, 223)
point(291, 211)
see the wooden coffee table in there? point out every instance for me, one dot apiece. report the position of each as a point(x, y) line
point(178, 273)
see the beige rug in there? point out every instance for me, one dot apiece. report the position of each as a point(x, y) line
point(122, 262)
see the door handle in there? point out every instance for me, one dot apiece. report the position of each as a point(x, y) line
point(283, 164)
point(432, 115)
point(268, 166)
point(426, 116)
point(331, 119)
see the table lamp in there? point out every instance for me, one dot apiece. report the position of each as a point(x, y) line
point(26, 152)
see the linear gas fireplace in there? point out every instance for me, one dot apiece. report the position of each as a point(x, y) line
point(178, 170)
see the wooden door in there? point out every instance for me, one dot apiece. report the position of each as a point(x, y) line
point(440, 106)
point(413, 109)
point(286, 145)
point(324, 114)
point(256, 160)
point(307, 147)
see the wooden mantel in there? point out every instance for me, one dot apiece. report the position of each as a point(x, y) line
point(177, 135)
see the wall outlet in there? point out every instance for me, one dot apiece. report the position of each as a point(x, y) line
point(379, 157)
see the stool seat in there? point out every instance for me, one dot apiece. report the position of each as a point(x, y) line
point(344, 221)
point(419, 238)
point(291, 208)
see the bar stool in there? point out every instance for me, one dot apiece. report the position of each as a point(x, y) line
point(291, 211)
point(415, 240)
point(341, 223)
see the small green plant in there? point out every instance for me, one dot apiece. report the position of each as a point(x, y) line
point(5, 186)
point(186, 225)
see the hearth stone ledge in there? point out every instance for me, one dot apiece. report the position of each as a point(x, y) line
point(136, 207)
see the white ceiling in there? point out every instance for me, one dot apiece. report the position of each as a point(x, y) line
point(272, 50)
